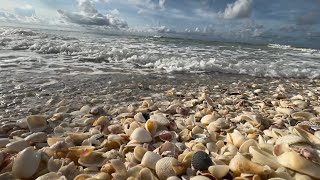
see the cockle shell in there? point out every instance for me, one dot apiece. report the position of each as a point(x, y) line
point(141, 135)
point(239, 164)
point(164, 168)
point(26, 163)
point(36, 123)
point(150, 159)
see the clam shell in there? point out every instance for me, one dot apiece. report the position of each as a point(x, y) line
point(139, 117)
point(290, 139)
point(139, 152)
point(294, 161)
point(219, 171)
point(201, 161)
point(36, 138)
point(218, 124)
point(81, 151)
point(207, 119)
point(36, 123)
point(151, 126)
point(236, 138)
point(164, 168)
point(141, 135)
point(239, 164)
point(150, 159)
point(244, 148)
point(160, 119)
point(26, 163)
point(17, 146)
point(94, 159)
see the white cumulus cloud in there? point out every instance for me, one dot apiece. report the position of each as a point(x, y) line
point(89, 15)
point(239, 9)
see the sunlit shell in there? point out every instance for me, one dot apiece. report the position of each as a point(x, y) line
point(308, 136)
point(291, 139)
point(160, 119)
point(77, 138)
point(244, 148)
point(287, 111)
point(164, 167)
point(217, 125)
point(294, 161)
point(119, 166)
point(236, 138)
point(139, 152)
point(239, 164)
point(26, 163)
point(53, 140)
point(94, 159)
point(207, 119)
point(139, 117)
point(141, 135)
point(219, 171)
point(169, 149)
point(36, 123)
point(201, 161)
point(151, 126)
point(150, 159)
point(263, 157)
point(302, 116)
point(81, 151)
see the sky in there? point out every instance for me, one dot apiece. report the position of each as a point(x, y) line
point(271, 20)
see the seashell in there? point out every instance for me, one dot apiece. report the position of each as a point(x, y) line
point(145, 173)
point(139, 152)
point(239, 164)
point(308, 136)
point(165, 135)
point(141, 135)
point(70, 171)
point(236, 138)
point(217, 125)
point(244, 148)
point(169, 149)
point(54, 164)
point(53, 140)
point(119, 166)
point(207, 119)
point(164, 168)
point(201, 161)
point(82, 176)
point(51, 176)
point(36, 123)
point(101, 121)
point(294, 161)
point(78, 138)
point(17, 146)
point(101, 175)
point(150, 159)
point(151, 126)
point(302, 116)
point(115, 129)
point(219, 171)
point(94, 159)
point(160, 119)
point(263, 157)
point(287, 111)
point(26, 163)
point(173, 178)
point(139, 117)
point(200, 178)
point(36, 138)
point(22, 123)
point(4, 142)
point(290, 139)
point(81, 151)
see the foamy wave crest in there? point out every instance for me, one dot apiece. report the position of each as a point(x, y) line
point(97, 52)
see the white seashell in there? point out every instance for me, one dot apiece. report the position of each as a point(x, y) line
point(150, 159)
point(139, 117)
point(139, 152)
point(236, 138)
point(119, 166)
point(244, 148)
point(141, 135)
point(36, 123)
point(26, 163)
point(218, 124)
point(263, 157)
point(286, 111)
point(290, 139)
point(164, 167)
point(17, 146)
point(207, 119)
point(302, 116)
point(160, 119)
point(219, 171)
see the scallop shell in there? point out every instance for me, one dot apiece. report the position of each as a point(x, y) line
point(150, 159)
point(26, 163)
point(164, 168)
point(141, 135)
point(219, 171)
point(94, 159)
point(36, 123)
point(201, 161)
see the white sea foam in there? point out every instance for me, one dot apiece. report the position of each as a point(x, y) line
point(96, 54)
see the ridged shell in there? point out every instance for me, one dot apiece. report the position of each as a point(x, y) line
point(150, 159)
point(164, 168)
point(201, 161)
point(26, 163)
point(141, 135)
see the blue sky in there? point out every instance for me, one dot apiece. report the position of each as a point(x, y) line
point(247, 19)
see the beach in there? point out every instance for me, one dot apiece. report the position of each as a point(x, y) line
point(72, 111)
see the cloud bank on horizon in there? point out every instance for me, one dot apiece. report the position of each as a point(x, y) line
point(229, 18)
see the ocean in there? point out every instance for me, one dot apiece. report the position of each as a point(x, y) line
point(38, 65)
